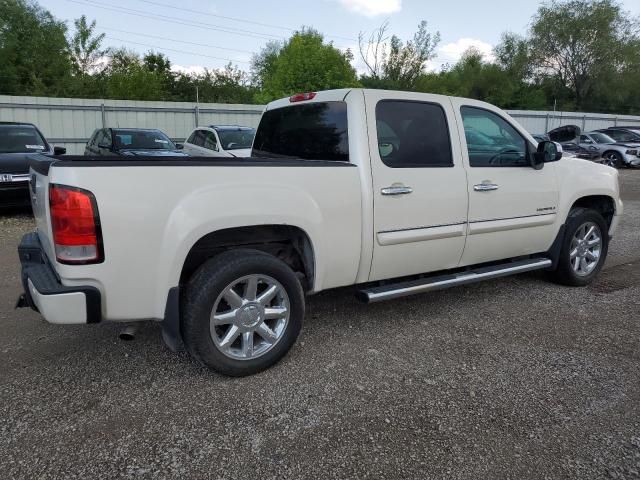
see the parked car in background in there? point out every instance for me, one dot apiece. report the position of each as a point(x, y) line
point(387, 191)
point(113, 142)
point(614, 154)
point(17, 142)
point(220, 141)
point(566, 139)
point(623, 134)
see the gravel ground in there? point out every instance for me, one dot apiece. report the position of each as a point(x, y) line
point(515, 378)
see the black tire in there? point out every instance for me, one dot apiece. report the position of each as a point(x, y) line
point(564, 272)
point(612, 159)
point(208, 283)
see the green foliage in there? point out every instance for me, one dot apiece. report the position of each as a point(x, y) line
point(580, 42)
point(34, 54)
point(397, 65)
point(304, 63)
point(85, 46)
point(407, 61)
point(578, 54)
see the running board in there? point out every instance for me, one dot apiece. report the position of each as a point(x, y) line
point(411, 287)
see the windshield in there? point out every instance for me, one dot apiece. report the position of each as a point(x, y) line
point(601, 138)
point(236, 139)
point(141, 140)
point(20, 138)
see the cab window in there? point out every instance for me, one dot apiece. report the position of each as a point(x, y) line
point(492, 141)
point(209, 141)
point(412, 134)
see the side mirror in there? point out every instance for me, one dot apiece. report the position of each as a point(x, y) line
point(179, 146)
point(547, 152)
point(59, 150)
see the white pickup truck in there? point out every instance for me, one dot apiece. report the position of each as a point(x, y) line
point(394, 193)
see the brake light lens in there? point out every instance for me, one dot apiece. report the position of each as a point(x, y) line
point(76, 225)
point(301, 97)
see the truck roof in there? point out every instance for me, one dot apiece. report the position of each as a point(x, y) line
point(339, 95)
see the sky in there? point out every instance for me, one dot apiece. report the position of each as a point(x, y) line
point(198, 34)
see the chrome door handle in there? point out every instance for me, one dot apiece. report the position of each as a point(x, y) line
point(396, 190)
point(485, 187)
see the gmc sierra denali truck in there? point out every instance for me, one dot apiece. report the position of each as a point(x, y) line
point(394, 193)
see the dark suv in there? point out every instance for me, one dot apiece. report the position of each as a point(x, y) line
point(131, 141)
point(17, 142)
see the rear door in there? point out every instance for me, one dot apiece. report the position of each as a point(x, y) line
point(512, 206)
point(419, 184)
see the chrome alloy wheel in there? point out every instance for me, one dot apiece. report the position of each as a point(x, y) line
point(586, 247)
point(610, 160)
point(249, 317)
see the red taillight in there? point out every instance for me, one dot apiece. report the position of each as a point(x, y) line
point(75, 224)
point(301, 97)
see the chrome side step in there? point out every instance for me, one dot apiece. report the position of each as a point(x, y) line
point(411, 287)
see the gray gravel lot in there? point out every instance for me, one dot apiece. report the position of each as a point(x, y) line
point(515, 378)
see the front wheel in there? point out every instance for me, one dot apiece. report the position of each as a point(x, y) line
point(612, 159)
point(242, 313)
point(584, 248)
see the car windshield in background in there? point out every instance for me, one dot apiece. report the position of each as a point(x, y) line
point(602, 138)
point(315, 131)
point(236, 139)
point(141, 140)
point(20, 138)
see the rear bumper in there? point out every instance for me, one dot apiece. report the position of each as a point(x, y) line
point(44, 292)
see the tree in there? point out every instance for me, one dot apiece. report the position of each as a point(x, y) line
point(577, 41)
point(85, 46)
point(407, 61)
point(399, 64)
point(303, 63)
point(34, 55)
point(372, 51)
point(128, 78)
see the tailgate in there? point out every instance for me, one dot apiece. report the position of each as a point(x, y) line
point(39, 185)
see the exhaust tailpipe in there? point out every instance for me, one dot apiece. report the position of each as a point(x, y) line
point(128, 333)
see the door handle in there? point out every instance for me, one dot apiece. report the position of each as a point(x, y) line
point(485, 187)
point(396, 190)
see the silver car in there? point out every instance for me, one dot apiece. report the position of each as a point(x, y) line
point(615, 154)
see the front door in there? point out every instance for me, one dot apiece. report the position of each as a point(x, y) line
point(512, 206)
point(419, 184)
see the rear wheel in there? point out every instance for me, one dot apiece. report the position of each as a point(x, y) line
point(612, 159)
point(584, 248)
point(243, 312)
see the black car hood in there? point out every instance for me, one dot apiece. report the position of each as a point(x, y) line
point(153, 153)
point(15, 162)
point(566, 133)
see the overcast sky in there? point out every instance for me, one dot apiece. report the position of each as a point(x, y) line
point(199, 33)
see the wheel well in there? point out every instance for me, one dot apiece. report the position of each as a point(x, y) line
point(611, 151)
point(290, 244)
point(601, 203)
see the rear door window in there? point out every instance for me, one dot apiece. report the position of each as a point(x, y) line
point(413, 134)
point(312, 131)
